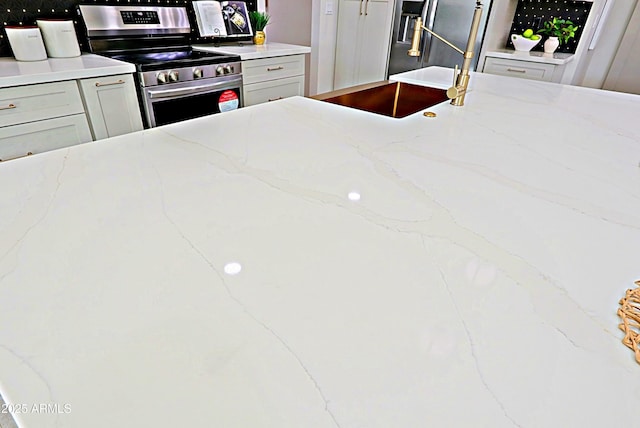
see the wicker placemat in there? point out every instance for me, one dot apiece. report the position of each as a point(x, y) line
point(629, 312)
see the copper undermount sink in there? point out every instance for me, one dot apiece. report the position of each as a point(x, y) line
point(396, 99)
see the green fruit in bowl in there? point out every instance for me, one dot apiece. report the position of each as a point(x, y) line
point(527, 33)
point(535, 37)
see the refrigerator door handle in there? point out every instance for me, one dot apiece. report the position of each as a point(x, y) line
point(429, 19)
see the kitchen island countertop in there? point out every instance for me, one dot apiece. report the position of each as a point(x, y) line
point(300, 264)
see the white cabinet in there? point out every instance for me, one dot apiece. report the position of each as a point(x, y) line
point(47, 116)
point(524, 69)
point(38, 118)
point(363, 40)
point(111, 105)
point(21, 104)
point(270, 79)
point(36, 137)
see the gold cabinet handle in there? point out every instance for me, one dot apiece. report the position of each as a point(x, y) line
point(366, 7)
point(117, 82)
point(275, 68)
point(516, 70)
point(274, 99)
point(9, 107)
point(17, 157)
point(360, 7)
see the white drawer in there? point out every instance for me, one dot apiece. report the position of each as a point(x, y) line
point(272, 90)
point(42, 136)
point(260, 70)
point(522, 69)
point(22, 104)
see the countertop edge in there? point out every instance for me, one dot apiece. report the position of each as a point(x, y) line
point(17, 73)
point(555, 59)
point(251, 51)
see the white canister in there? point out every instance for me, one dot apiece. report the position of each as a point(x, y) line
point(26, 43)
point(59, 38)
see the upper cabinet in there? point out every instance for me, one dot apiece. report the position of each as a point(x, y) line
point(363, 40)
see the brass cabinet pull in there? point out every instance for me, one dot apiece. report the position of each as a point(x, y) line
point(275, 68)
point(274, 99)
point(366, 7)
point(117, 82)
point(360, 7)
point(10, 106)
point(17, 157)
point(515, 70)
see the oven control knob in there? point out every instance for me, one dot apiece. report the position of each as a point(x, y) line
point(174, 76)
point(162, 77)
point(228, 69)
point(219, 70)
point(198, 73)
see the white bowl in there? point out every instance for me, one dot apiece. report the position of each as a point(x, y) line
point(522, 43)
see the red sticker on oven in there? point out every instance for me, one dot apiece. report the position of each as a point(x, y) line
point(228, 101)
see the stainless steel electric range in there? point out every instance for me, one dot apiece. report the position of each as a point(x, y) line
point(174, 82)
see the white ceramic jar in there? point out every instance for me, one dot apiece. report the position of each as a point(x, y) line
point(59, 38)
point(26, 43)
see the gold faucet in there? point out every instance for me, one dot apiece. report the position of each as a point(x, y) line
point(460, 79)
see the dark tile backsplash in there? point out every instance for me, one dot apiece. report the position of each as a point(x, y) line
point(25, 12)
point(532, 13)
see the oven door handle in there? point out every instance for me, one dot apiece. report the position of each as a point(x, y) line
point(168, 93)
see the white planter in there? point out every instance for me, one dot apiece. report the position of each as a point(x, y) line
point(551, 44)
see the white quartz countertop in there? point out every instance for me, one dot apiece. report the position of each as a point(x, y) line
point(251, 51)
point(556, 58)
point(457, 271)
point(16, 73)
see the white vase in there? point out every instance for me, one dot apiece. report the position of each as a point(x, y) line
point(551, 44)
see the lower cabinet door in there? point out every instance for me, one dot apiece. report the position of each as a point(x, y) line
point(36, 137)
point(273, 90)
point(112, 105)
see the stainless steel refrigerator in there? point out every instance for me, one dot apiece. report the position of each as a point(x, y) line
point(451, 19)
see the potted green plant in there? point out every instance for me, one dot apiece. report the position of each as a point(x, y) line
point(259, 20)
point(559, 32)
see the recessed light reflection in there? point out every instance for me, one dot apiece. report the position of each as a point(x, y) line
point(232, 268)
point(353, 196)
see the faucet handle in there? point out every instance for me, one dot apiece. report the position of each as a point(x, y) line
point(456, 92)
point(455, 75)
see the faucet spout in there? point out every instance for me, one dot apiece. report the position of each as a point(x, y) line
point(459, 89)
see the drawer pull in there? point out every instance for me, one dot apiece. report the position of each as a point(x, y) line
point(366, 8)
point(9, 107)
point(117, 82)
point(274, 99)
point(275, 68)
point(516, 70)
point(360, 7)
point(17, 157)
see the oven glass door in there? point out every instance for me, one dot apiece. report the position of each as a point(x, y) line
point(178, 102)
